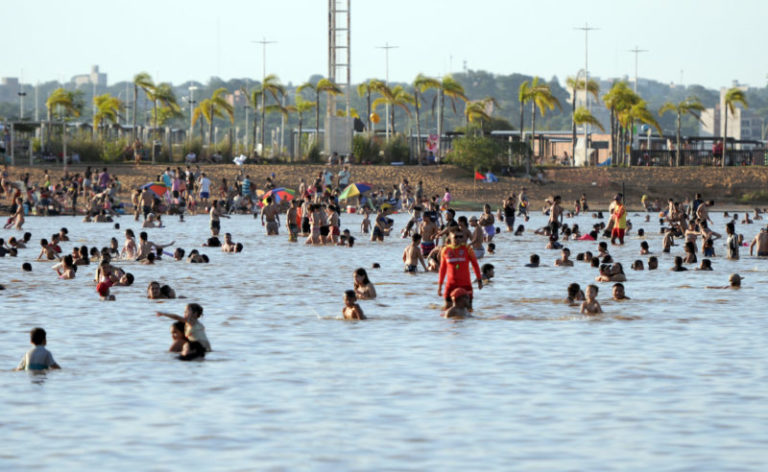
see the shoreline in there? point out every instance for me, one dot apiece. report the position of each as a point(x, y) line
point(733, 188)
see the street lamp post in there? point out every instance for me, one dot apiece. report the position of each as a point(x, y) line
point(386, 49)
point(192, 102)
point(263, 43)
point(586, 29)
point(21, 105)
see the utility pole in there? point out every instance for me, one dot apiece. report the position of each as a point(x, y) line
point(386, 49)
point(637, 52)
point(263, 43)
point(586, 29)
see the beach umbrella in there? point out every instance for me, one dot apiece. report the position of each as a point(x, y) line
point(158, 188)
point(354, 190)
point(279, 194)
point(240, 160)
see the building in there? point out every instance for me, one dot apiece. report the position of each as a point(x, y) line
point(94, 78)
point(237, 99)
point(743, 124)
point(9, 89)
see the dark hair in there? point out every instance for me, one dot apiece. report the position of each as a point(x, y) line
point(595, 262)
point(165, 291)
point(416, 237)
point(239, 247)
point(151, 257)
point(350, 294)
point(43, 242)
point(361, 272)
point(644, 244)
point(129, 278)
point(580, 256)
point(179, 326)
point(213, 241)
point(491, 246)
point(205, 258)
point(534, 258)
point(196, 308)
point(486, 267)
point(37, 336)
point(573, 290)
point(26, 267)
point(179, 252)
point(196, 350)
point(376, 265)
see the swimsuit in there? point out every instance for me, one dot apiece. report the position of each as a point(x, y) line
point(479, 252)
point(410, 268)
point(426, 247)
point(490, 230)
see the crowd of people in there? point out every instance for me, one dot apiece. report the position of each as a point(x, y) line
point(435, 238)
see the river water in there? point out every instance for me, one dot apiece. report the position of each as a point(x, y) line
point(674, 379)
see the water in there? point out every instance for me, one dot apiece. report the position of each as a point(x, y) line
point(681, 385)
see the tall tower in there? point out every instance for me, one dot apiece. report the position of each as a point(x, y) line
point(338, 130)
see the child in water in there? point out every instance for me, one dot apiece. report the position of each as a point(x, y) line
point(591, 306)
point(352, 310)
point(460, 307)
point(193, 328)
point(37, 358)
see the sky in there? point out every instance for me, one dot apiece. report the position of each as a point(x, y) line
point(687, 41)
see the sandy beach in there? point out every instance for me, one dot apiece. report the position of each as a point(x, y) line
point(735, 187)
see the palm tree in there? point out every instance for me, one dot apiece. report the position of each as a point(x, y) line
point(477, 110)
point(394, 97)
point(163, 93)
point(107, 110)
point(451, 88)
point(144, 82)
point(524, 95)
point(732, 97)
point(691, 106)
point(302, 106)
point(575, 85)
point(284, 110)
point(582, 116)
point(213, 107)
point(637, 112)
point(619, 99)
point(543, 99)
point(253, 100)
point(273, 87)
point(366, 89)
point(421, 84)
point(66, 104)
point(323, 85)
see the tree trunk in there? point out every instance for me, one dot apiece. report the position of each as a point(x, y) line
point(631, 142)
point(614, 156)
point(263, 118)
point(418, 124)
point(533, 135)
point(298, 146)
point(573, 128)
point(368, 103)
point(317, 117)
point(677, 148)
point(135, 104)
point(154, 132)
point(440, 112)
point(725, 135)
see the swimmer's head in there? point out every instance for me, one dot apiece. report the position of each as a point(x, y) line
point(735, 280)
point(26, 267)
point(37, 336)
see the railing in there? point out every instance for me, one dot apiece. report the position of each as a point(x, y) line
point(666, 158)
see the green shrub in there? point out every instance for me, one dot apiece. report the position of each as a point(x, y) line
point(397, 150)
point(475, 152)
point(113, 150)
point(314, 155)
point(365, 149)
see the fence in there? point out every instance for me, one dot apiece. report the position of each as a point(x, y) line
point(666, 158)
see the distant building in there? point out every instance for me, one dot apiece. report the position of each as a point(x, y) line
point(742, 124)
point(9, 89)
point(237, 99)
point(95, 77)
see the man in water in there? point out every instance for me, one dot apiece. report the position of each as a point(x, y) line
point(761, 241)
point(455, 260)
point(412, 255)
point(619, 217)
point(271, 212)
point(428, 230)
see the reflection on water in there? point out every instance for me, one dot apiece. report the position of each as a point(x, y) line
point(671, 379)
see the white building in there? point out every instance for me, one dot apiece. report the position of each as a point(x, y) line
point(743, 124)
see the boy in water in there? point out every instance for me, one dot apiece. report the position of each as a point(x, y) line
point(460, 307)
point(193, 328)
point(591, 306)
point(37, 358)
point(488, 273)
point(618, 292)
point(352, 310)
point(412, 255)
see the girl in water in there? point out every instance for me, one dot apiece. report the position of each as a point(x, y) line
point(129, 246)
point(364, 288)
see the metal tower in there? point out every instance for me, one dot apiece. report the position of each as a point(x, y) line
point(338, 130)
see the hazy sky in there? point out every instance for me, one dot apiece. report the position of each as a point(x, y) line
point(181, 40)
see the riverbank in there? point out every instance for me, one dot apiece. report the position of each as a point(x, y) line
point(734, 187)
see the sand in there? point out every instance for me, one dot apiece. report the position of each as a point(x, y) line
point(726, 186)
